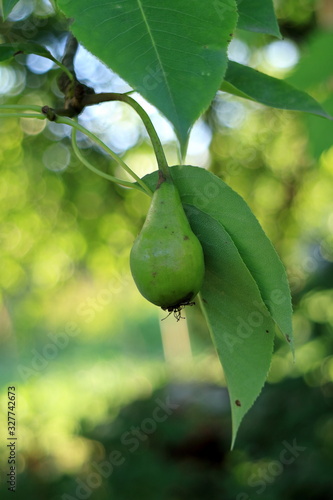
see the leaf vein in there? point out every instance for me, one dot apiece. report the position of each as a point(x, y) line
point(159, 60)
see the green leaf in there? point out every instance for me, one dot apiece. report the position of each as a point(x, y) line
point(249, 83)
point(8, 50)
point(7, 6)
point(315, 67)
point(314, 71)
point(258, 16)
point(320, 133)
point(173, 53)
point(245, 291)
point(241, 327)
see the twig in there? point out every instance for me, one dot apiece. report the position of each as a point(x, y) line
point(73, 90)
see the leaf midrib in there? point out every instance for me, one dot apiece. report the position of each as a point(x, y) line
point(158, 57)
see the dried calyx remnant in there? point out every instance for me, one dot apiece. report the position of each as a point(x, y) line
point(167, 261)
point(177, 311)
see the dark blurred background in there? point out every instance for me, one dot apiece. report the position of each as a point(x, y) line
point(112, 402)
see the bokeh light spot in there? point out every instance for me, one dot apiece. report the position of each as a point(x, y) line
point(238, 51)
point(56, 157)
point(38, 64)
point(282, 54)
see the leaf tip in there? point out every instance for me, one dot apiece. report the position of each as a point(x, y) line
point(278, 34)
point(183, 142)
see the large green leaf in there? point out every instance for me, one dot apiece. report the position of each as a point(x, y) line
point(258, 16)
point(241, 328)
point(249, 83)
point(245, 289)
point(173, 53)
point(7, 6)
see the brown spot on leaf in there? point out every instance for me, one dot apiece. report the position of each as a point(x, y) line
point(267, 331)
point(186, 237)
point(237, 402)
point(288, 338)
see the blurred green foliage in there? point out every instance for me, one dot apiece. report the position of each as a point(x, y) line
point(79, 341)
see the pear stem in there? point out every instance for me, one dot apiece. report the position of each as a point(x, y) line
point(22, 107)
point(155, 140)
point(111, 178)
point(94, 138)
point(22, 115)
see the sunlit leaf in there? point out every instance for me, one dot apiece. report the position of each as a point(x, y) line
point(249, 83)
point(245, 288)
point(7, 6)
point(258, 16)
point(173, 53)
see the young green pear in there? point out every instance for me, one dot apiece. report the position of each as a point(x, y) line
point(167, 260)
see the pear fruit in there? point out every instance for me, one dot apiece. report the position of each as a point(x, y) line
point(167, 261)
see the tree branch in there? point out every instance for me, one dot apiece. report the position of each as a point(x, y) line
point(73, 90)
